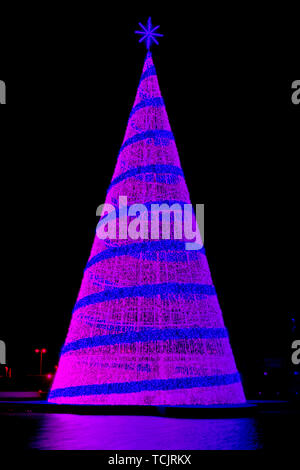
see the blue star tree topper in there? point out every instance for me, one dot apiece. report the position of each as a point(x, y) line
point(148, 34)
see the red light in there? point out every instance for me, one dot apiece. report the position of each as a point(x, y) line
point(49, 376)
point(40, 391)
point(37, 351)
point(44, 350)
point(55, 367)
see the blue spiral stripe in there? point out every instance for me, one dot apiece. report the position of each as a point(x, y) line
point(152, 134)
point(148, 73)
point(155, 102)
point(149, 334)
point(169, 249)
point(149, 290)
point(168, 169)
point(147, 385)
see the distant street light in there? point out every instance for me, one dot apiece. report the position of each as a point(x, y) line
point(41, 352)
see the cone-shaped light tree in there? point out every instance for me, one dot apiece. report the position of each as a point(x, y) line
point(147, 328)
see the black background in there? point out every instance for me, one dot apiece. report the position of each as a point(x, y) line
point(71, 81)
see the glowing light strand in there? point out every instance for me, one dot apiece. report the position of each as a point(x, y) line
point(147, 328)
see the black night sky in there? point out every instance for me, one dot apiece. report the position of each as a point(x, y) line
point(70, 90)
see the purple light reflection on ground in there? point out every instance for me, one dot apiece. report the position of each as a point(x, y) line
point(82, 432)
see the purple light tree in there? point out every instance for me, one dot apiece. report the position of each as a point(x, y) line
point(147, 328)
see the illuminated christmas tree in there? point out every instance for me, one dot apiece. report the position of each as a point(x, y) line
point(147, 328)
